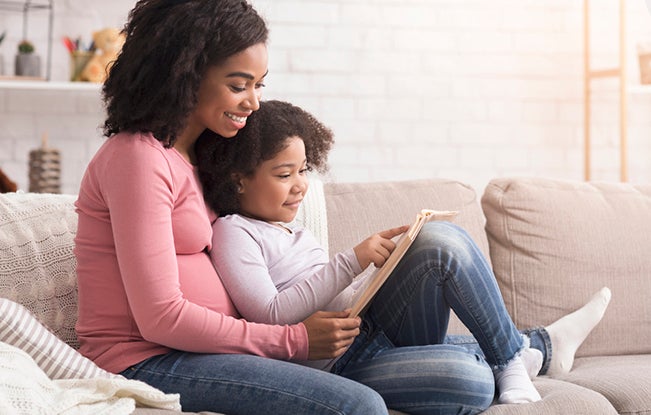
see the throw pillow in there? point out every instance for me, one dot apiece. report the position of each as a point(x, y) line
point(19, 328)
point(37, 263)
point(555, 243)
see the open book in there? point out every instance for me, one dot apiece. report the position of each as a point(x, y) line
point(374, 281)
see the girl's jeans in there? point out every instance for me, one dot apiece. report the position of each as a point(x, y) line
point(403, 351)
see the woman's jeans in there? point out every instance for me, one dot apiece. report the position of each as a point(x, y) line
point(251, 385)
point(403, 351)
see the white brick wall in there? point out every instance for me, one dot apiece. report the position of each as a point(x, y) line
point(412, 88)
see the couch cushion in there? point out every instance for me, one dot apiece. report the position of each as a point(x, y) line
point(554, 243)
point(558, 397)
point(37, 265)
point(623, 380)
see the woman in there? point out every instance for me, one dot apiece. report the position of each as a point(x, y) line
point(151, 305)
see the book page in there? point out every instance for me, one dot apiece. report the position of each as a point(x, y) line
point(379, 276)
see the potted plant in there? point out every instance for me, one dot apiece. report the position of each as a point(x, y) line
point(28, 63)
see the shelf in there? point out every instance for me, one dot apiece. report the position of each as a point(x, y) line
point(19, 6)
point(639, 89)
point(25, 7)
point(32, 84)
point(631, 89)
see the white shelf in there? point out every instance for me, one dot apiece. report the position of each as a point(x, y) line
point(15, 84)
point(639, 89)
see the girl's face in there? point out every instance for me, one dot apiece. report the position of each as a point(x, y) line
point(275, 191)
point(230, 92)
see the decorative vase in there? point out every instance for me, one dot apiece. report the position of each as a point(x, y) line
point(44, 169)
point(28, 64)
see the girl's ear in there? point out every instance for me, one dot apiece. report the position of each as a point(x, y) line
point(237, 180)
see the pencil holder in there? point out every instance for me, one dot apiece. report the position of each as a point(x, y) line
point(78, 61)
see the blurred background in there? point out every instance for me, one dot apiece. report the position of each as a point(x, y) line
point(462, 89)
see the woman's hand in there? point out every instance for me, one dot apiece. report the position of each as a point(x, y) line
point(330, 333)
point(377, 248)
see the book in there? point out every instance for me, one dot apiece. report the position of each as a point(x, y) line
point(376, 279)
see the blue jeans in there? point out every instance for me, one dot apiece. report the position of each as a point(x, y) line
point(404, 352)
point(252, 385)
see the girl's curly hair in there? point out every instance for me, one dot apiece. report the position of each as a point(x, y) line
point(153, 85)
point(266, 132)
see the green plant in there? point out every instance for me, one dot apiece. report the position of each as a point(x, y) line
point(25, 46)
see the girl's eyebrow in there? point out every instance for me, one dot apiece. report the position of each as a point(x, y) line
point(285, 165)
point(244, 75)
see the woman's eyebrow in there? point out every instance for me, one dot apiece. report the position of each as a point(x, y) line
point(244, 75)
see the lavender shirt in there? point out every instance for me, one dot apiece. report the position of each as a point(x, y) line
point(278, 276)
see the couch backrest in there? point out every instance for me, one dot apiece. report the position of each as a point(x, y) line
point(554, 243)
point(357, 210)
point(37, 265)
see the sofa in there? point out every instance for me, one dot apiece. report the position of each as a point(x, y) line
point(551, 243)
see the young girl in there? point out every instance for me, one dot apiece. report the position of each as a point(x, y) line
point(277, 274)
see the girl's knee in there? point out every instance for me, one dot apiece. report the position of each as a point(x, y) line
point(446, 237)
point(443, 230)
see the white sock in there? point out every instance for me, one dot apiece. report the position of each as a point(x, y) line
point(532, 360)
point(569, 332)
point(514, 384)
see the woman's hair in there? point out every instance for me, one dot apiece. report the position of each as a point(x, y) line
point(265, 135)
point(170, 44)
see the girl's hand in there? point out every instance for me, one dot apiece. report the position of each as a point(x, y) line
point(377, 248)
point(330, 333)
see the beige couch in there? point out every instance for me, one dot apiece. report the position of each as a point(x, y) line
point(551, 243)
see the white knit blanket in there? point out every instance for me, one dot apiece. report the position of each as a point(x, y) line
point(26, 389)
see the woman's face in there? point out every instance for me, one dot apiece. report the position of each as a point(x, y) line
point(230, 92)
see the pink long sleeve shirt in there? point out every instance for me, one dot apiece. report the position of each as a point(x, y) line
point(146, 282)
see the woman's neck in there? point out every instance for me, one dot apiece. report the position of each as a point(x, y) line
point(184, 144)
